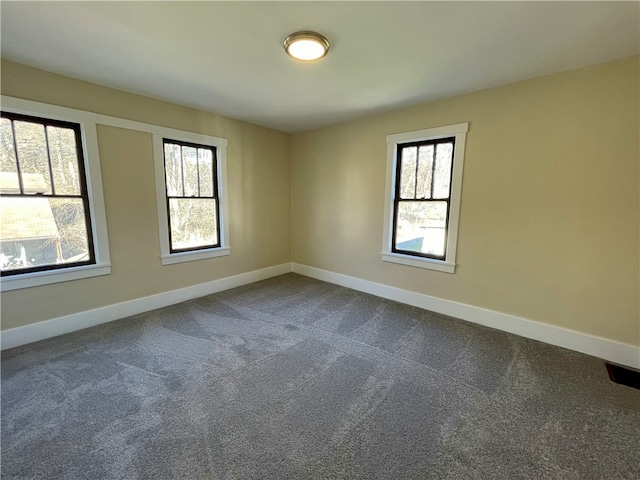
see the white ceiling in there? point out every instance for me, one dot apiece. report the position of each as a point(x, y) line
point(227, 57)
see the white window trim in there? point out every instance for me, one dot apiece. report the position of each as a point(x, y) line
point(94, 189)
point(448, 265)
point(166, 257)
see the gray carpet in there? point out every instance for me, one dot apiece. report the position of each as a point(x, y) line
point(292, 378)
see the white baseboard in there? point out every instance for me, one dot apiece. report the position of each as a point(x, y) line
point(620, 353)
point(34, 332)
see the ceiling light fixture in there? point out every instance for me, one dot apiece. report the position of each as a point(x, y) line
point(306, 46)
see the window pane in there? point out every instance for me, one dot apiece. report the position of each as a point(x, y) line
point(408, 172)
point(193, 222)
point(421, 227)
point(444, 156)
point(32, 155)
point(70, 219)
point(36, 231)
point(8, 169)
point(173, 169)
point(64, 160)
point(425, 168)
point(205, 162)
point(190, 169)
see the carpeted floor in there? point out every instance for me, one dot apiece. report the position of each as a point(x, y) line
point(292, 378)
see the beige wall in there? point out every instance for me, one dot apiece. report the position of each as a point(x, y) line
point(549, 227)
point(258, 185)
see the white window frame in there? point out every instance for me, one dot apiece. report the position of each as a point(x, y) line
point(87, 124)
point(166, 257)
point(459, 131)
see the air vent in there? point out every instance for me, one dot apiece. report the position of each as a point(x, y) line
point(624, 376)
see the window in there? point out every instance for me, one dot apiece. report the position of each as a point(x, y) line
point(424, 179)
point(191, 209)
point(421, 201)
point(192, 195)
point(49, 228)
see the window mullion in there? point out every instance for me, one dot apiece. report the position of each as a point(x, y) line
point(182, 167)
point(415, 178)
point(46, 142)
point(396, 187)
point(41, 195)
point(214, 173)
point(198, 169)
point(15, 151)
point(433, 169)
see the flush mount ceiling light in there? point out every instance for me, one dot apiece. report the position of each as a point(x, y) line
point(306, 45)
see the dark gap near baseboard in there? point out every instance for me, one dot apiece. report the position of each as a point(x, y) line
point(624, 376)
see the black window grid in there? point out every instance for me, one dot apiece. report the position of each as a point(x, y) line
point(398, 198)
point(84, 195)
point(213, 196)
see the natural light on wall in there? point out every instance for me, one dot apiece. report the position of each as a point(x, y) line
point(306, 46)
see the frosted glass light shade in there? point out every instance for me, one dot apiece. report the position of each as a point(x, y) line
point(306, 46)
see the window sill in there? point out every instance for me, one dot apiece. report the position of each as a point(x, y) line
point(418, 262)
point(36, 279)
point(195, 255)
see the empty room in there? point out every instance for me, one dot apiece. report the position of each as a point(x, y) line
point(320, 240)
